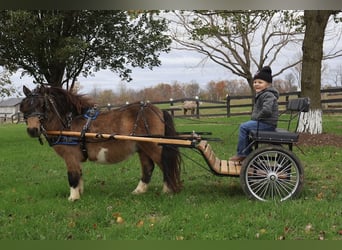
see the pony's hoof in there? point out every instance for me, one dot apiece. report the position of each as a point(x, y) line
point(138, 191)
point(135, 192)
point(74, 194)
point(166, 189)
point(141, 188)
point(71, 199)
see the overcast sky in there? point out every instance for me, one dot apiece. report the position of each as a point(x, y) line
point(180, 66)
point(177, 65)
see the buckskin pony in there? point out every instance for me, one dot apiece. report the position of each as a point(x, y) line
point(49, 109)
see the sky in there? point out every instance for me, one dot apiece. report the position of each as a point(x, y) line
point(177, 65)
point(181, 66)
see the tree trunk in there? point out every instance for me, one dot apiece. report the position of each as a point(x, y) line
point(315, 22)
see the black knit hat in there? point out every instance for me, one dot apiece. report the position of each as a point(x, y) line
point(264, 74)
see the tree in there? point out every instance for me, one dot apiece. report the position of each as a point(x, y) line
point(56, 46)
point(217, 90)
point(6, 89)
point(315, 24)
point(336, 75)
point(191, 89)
point(241, 41)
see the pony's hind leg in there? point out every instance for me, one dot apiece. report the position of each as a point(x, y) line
point(147, 167)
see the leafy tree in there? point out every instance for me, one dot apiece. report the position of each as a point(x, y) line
point(6, 87)
point(56, 46)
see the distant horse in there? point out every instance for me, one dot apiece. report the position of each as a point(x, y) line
point(49, 108)
point(189, 105)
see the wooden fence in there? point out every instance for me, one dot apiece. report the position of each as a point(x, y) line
point(331, 100)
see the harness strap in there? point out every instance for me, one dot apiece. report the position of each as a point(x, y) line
point(90, 115)
point(140, 115)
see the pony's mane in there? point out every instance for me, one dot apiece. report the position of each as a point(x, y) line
point(67, 101)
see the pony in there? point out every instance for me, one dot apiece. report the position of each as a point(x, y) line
point(189, 105)
point(49, 108)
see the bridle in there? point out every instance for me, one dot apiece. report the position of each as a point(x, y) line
point(41, 115)
point(48, 105)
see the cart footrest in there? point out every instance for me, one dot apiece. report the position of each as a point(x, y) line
point(218, 166)
point(230, 167)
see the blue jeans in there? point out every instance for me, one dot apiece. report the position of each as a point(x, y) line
point(244, 130)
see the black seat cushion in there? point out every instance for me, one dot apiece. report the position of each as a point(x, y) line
point(299, 104)
point(278, 136)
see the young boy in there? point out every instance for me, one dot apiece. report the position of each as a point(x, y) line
point(265, 112)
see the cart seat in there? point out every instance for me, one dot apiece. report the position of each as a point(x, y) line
point(278, 136)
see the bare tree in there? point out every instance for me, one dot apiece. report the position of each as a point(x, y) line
point(191, 89)
point(336, 75)
point(241, 41)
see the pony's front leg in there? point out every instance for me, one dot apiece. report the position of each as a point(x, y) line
point(76, 185)
point(147, 167)
point(72, 157)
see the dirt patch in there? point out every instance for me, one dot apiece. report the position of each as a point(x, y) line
point(320, 140)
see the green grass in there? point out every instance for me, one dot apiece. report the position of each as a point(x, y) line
point(34, 191)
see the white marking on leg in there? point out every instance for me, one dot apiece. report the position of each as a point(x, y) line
point(74, 194)
point(141, 188)
point(102, 155)
point(166, 188)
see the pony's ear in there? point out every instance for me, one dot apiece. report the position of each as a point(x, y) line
point(26, 90)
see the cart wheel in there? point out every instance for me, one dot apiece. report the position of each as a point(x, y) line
point(272, 173)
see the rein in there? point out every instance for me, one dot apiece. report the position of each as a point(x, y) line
point(49, 98)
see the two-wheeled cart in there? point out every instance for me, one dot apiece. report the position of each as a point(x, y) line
point(271, 171)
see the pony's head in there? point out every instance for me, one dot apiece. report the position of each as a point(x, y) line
point(34, 107)
point(50, 108)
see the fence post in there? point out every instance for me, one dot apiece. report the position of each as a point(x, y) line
point(197, 107)
point(228, 105)
point(171, 104)
point(287, 97)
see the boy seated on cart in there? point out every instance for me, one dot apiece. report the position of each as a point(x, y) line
point(264, 115)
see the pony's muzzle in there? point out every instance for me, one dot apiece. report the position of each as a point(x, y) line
point(33, 132)
point(33, 126)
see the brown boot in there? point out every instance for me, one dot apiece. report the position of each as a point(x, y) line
point(237, 158)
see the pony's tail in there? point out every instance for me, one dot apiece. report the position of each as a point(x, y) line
point(171, 157)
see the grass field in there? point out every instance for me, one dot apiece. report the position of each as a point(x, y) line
point(34, 191)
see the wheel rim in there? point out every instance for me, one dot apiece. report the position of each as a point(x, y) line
point(272, 175)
